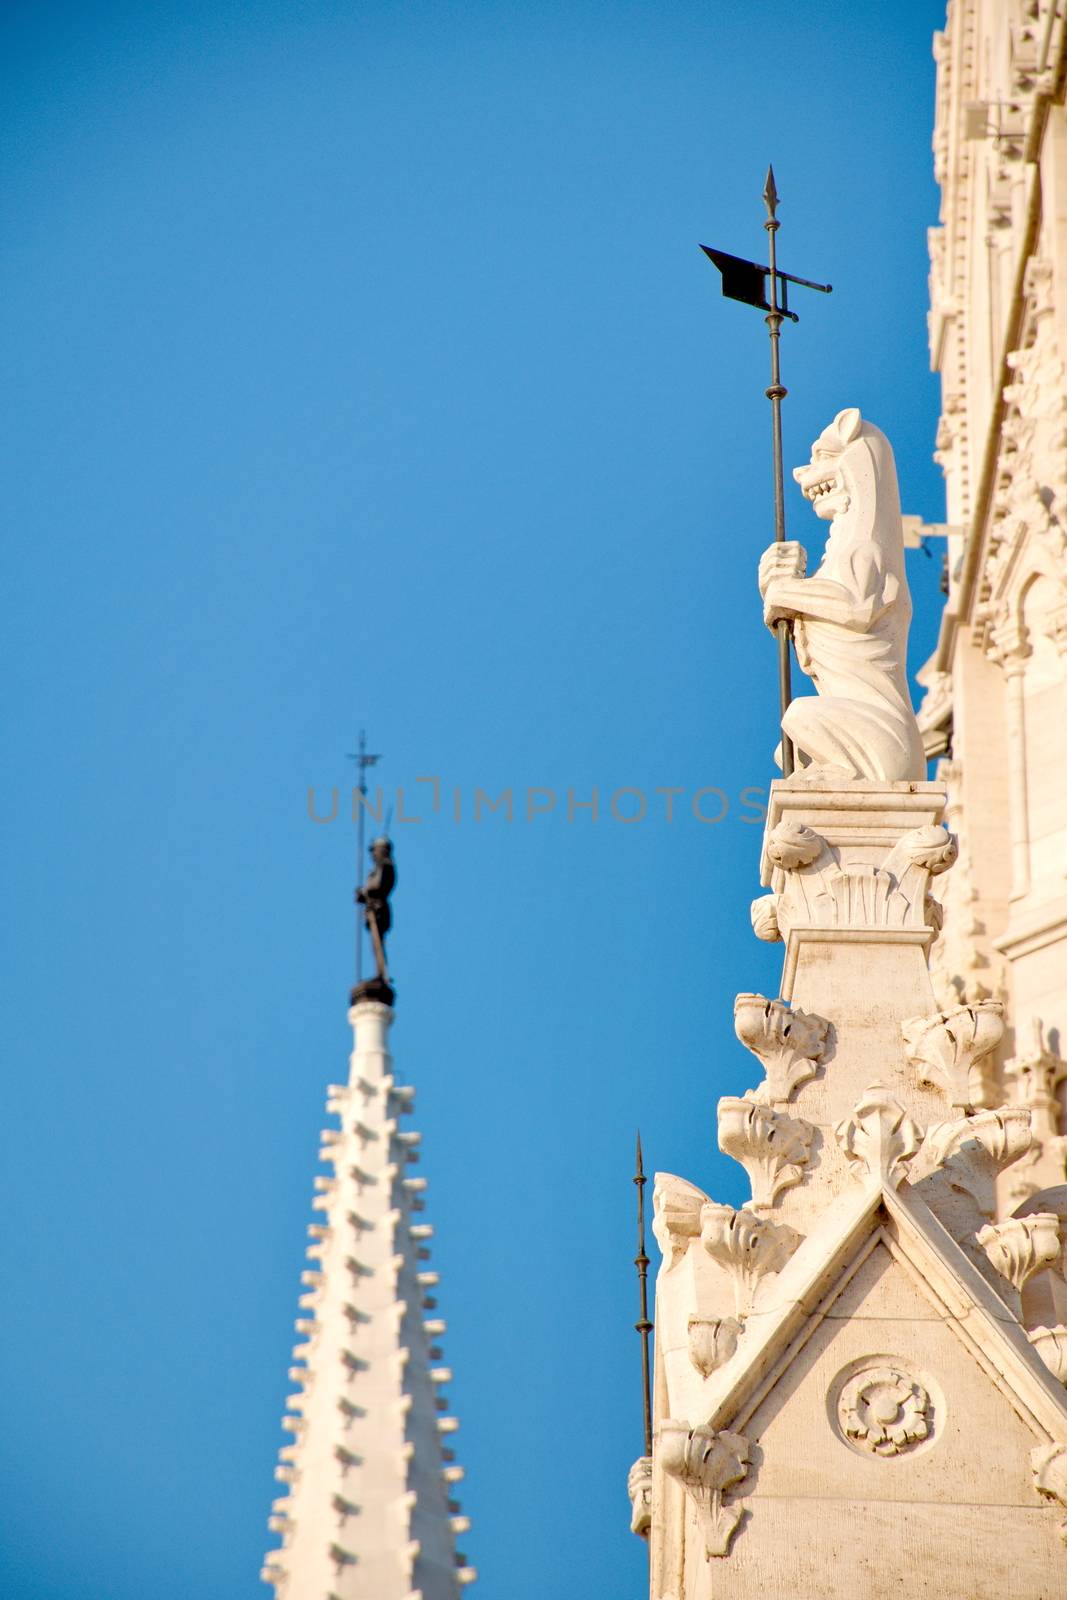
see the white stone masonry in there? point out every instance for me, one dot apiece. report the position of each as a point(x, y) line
point(369, 1511)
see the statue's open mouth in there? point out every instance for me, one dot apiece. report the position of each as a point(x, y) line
point(825, 486)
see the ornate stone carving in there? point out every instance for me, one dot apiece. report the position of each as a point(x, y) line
point(973, 1150)
point(1021, 1246)
point(879, 1139)
point(831, 890)
point(772, 1148)
point(639, 1488)
point(712, 1341)
point(1051, 1346)
point(764, 916)
point(952, 1051)
point(676, 1207)
point(1049, 1465)
point(850, 620)
point(884, 1411)
point(790, 1044)
point(792, 844)
point(707, 1463)
point(747, 1245)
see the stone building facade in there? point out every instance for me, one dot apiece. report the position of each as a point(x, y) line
point(861, 1373)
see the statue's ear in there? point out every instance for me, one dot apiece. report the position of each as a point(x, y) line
point(848, 424)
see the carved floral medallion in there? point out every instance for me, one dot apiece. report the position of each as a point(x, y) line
point(884, 1410)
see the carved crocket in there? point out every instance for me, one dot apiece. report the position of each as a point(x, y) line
point(850, 620)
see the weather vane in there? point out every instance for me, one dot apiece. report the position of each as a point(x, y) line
point(765, 288)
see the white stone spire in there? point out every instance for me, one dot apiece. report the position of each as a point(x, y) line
point(369, 1510)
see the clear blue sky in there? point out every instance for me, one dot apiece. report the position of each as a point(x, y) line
point(362, 367)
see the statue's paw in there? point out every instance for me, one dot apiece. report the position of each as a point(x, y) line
point(821, 773)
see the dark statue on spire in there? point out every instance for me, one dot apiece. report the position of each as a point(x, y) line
point(373, 896)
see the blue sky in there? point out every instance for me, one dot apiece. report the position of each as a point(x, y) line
point(363, 369)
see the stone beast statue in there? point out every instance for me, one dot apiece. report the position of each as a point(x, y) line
point(850, 620)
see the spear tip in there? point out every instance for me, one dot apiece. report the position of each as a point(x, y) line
point(770, 192)
point(639, 1178)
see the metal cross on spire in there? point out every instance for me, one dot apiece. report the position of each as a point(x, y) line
point(766, 288)
point(362, 761)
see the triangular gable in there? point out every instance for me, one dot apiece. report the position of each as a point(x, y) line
point(795, 1304)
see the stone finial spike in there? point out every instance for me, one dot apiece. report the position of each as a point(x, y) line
point(770, 193)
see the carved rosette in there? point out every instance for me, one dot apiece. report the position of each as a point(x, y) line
point(707, 1463)
point(953, 1051)
point(879, 1139)
point(772, 1148)
point(712, 1341)
point(639, 1488)
point(1021, 1246)
point(884, 1411)
point(972, 1151)
point(747, 1245)
point(676, 1208)
point(1051, 1346)
point(1049, 1465)
point(790, 1044)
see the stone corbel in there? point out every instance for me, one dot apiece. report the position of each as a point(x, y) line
point(675, 1215)
point(639, 1488)
point(953, 1051)
point(879, 1139)
point(790, 1044)
point(712, 1341)
point(972, 1151)
point(1049, 1465)
point(1051, 1346)
point(747, 1245)
point(772, 1148)
point(1021, 1246)
point(707, 1463)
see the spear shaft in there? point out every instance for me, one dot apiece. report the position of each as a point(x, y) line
point(643, 1326)
point(776, 394)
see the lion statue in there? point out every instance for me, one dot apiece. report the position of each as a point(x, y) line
point(850, 620)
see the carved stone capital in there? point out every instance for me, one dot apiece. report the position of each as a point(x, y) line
point(952, 1051)
point(1021, 1246)
point(773, 1148)
point(676, 1207)
point(747, 1245)
point(973, 1150)
point(639, 1488)
point(1049, 1465)
point(712, 1341)
point(707, 1463)
point(879, 1139)
point(790, 1044)
point(1051, 1346)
